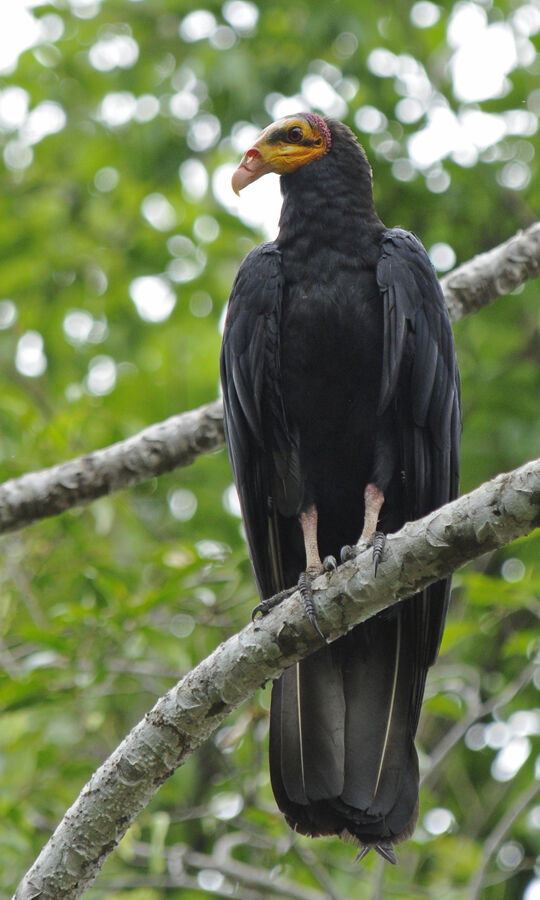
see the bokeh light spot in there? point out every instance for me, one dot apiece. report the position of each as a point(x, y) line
point(101, 377)
point(206, 229)
point(226, 806)
point(425, 14)
point(513, 570)
point(158, 212)
point(510, 855)
point(153, 297)
point(194, 178)
point(106, 179)
point(182, 504)
point(442, 256)
point(231, 502)
point(197, 25)
point(242, 15)
point(370, 120)
point(117, 108)
point(14, 105)
point(17, 155)
point(438, 820)
point(346, 44)
point(510, 759)
point(30, 359)
point(200, 304)
point(114, 51)
point(204, 133)
point(182, 625)
point(8, 314)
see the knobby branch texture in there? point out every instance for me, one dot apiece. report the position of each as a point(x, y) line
point(479, 282)
point(179, 440)
point(160, 448)
point(494, 514)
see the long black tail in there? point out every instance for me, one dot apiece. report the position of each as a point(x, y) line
point(342, 728)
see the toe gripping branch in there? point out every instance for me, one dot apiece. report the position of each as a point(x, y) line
point(378, 540)
point(264, 607)
point(306, 594)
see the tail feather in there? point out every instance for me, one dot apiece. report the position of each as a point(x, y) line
point(312, 746)
point(342, 727)
point(284, 705)
point(370, 685)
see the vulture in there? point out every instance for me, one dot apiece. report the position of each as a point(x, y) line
point(342, 420)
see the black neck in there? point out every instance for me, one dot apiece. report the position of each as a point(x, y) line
point(329, 202)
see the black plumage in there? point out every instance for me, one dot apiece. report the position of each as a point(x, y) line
point(339, 373)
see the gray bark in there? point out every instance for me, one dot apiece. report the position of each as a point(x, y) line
point(179, 440)
point(499, 511)
point(479, 282)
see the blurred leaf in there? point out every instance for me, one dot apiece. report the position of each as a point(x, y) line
point(103, 608)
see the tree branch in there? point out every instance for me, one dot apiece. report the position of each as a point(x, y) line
point(160, 448)
point(239, 874)
point(478, 710)
point(495, 839)
point(179, 440)
point(483, 279)
point(499, 511)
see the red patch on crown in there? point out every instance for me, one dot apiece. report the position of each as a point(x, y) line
point(319, 123)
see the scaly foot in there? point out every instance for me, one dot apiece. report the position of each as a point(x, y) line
point(306, 593)
point(269, 603)
point(377, 541)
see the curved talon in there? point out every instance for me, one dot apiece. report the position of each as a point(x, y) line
point(387, 853)
point(378, 541)
point(348, 552)
point(304, 586)
point(329, 563)
point(260, 609)
point(385, 850)
point(363, 850)
point(268, 603)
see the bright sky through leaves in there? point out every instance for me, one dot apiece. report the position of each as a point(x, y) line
point(483, 54)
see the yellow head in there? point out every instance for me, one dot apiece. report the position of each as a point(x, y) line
point(283, 147)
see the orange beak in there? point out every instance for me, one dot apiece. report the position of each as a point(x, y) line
point(252, 167)
point(273, 151)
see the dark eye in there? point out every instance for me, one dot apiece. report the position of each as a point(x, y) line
point(295, 134)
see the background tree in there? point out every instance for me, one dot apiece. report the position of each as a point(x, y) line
point(120, 241)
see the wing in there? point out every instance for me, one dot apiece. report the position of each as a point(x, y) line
point(420, 376)
point(261, 449)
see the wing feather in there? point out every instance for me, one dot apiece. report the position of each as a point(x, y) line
point(419, 369)
point(420, 375)
point(252, 394)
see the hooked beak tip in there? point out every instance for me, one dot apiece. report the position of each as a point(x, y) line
point(250, 169)
point(235, 183)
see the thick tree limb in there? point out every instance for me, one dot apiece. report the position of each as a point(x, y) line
point(483, 279)
point(179, 440)
point(160, 448)
point(491, 516)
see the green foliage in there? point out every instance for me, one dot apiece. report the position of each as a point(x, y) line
point(103, 608)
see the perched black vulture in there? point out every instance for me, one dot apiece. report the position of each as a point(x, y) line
point(342, 414)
